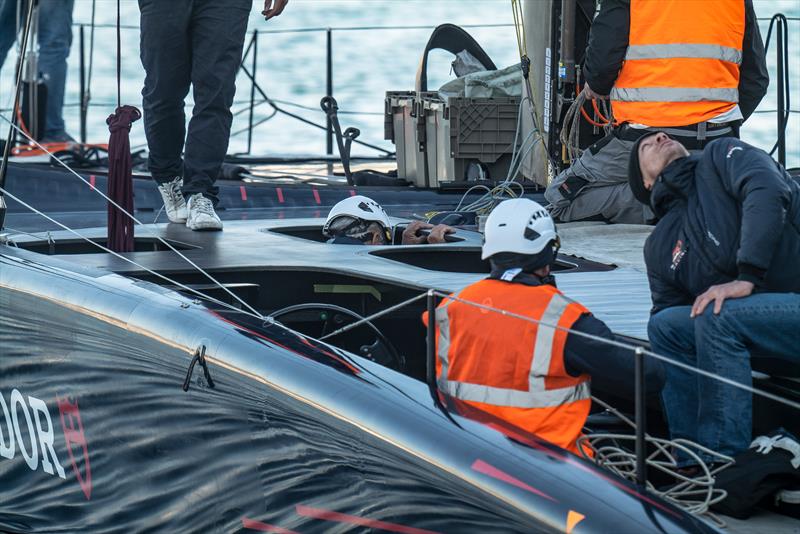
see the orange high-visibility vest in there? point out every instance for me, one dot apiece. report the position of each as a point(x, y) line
point(682, 63)
point(510, 367)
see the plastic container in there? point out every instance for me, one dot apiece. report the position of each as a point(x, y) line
point(441, 143)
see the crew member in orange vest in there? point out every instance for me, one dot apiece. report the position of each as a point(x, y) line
point(528, 373)
point(695, 69)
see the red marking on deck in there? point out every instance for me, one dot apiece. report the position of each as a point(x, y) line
point(316, 196)
point(280, 194)
point(243, 191)
point(482, 467)
point(92, 179)
point(352, 192)
point(252, 524)
point(329, 515)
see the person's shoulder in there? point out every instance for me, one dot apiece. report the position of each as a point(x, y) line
point(727, 148)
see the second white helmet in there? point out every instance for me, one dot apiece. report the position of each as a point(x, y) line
point(519, 225)
point(358, 207)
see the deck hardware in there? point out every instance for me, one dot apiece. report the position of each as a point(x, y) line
point(431, 340)
point(641, 417)
point(199, 357)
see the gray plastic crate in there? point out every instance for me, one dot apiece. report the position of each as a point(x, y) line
point(481, 130)
point(450, 136)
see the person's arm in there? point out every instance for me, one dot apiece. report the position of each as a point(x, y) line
point(608, 43)
point(611, 368)
point(752, 177)
point(753, 74)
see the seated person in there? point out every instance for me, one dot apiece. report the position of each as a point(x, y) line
point(724, 277)
point(528, 374)
point(359, 220)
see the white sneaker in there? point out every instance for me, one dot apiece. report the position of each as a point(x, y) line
point(174, 203)
point(201, 214)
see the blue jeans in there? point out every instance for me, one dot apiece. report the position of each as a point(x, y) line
point(709, 412)
point(55, 39)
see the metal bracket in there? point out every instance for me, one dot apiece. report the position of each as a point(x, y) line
point(199, 357)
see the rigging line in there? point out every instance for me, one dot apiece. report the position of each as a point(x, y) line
point(129, 260)
point(633, 348)
point(119, 57)
point(137, 221)
point(381, 313)
point(88, 95)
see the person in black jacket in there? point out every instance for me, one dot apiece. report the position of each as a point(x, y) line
point(724, 270)
point(595, 186)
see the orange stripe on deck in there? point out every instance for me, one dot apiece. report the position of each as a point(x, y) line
point(243, 191)
point(316, 196)
point(280, 194)
point(92, 179)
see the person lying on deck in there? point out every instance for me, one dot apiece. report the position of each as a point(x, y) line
point(724, 270)
point(529, 374)
point(359, 220)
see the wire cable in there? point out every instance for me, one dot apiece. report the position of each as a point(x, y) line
point(137, 221)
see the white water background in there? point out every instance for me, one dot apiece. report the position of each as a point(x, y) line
point(366, 63)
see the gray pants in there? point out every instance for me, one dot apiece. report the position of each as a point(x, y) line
point(596, 186)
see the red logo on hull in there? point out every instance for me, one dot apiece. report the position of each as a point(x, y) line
point(76, 443)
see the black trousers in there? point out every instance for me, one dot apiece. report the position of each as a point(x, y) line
point(197, 43)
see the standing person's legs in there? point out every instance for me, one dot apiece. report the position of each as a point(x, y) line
point(761, 324)
point(166, 58)
point(55, 40)
point(218, 31)
point(672, 334)
point(8, 27)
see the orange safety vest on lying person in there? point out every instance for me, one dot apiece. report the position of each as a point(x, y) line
point(682, 63)
point(510, 367)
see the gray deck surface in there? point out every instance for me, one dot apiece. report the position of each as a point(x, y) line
point(620, 297)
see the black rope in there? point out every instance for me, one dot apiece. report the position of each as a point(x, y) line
point(781, 20)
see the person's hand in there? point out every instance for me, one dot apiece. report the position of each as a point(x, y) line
point(273, 8)
point(718, 294)
point(411, 233)
point(591, 94)
point(439, 231)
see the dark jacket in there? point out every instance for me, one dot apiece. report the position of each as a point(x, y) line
point(729, 212)
point(608, 43)
point(610, 368)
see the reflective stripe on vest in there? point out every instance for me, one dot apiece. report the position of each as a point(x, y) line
point(536, 396)
point(693, 50)
point(674, 94)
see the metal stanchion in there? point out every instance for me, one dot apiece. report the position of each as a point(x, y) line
point(254, 43)
point(431, 340)
point(641, 417)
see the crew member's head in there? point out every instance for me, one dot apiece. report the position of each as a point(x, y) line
point(650, 156)
point(359, 219)
point(520, 234)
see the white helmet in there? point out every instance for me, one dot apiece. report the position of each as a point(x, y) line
point(358, 207)
point(519, 225)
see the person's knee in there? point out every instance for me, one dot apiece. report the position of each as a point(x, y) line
point(663, 325)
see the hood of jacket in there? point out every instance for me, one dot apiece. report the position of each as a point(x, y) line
point(674, 184)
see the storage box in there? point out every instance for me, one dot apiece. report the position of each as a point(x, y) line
point(441, 142)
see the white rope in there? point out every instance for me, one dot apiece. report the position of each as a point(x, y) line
point(137, 221)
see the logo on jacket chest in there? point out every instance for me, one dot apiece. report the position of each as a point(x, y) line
point(677, 254)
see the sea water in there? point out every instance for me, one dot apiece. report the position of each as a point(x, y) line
point(366, 63)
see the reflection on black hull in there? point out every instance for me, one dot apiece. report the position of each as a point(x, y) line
point(97, 433)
